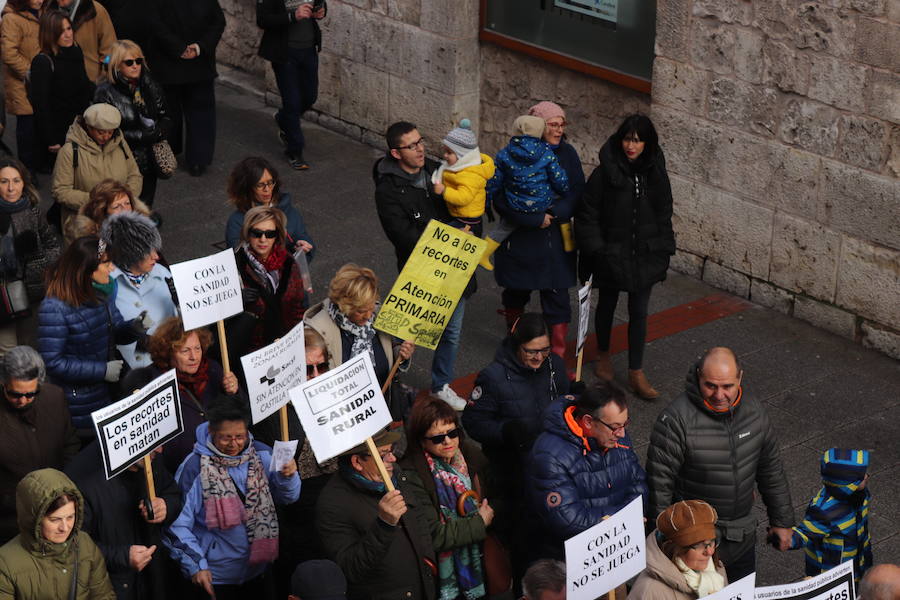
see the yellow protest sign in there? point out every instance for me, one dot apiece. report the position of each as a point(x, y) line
point(429, 286)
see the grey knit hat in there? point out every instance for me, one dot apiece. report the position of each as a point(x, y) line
point(103, 116)
point(462, 139)
point(528, 125)
point(130, 238)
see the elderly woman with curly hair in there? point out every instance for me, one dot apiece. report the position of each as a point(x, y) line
point(107, 198)
point(345, 320)
point(200, 379)
point(255, 182)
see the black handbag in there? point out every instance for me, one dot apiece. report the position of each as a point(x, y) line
point(13, 301)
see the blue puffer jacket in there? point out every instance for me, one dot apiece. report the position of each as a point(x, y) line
point(532, 258)
point(529, 174)
point(75, 344)
point(571, 489)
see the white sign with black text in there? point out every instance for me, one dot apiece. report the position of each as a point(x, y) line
point(607, 555)
point(584, 313)
point(133, 426)
point(209, 289)
point(341, 408)
point(835, 584)
point(273, 371)
point(742, 589)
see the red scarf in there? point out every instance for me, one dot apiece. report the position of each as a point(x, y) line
point(276, 258)
point(196, 383)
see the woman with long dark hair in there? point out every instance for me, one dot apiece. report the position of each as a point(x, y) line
point(624, 232)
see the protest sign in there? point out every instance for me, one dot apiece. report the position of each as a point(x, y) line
point(341, 408)
point(584, 313)
point(607, 555)
point(272, 371)
point(133, 426)
point(835, 584)
point(282, 453)
point(428, 288)
point(742, 589)
point(209, 289)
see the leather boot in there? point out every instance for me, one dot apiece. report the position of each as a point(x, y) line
point(488, 252)
point(639, 384)
point(558, 338)
point(511, 315)
point(603, 368)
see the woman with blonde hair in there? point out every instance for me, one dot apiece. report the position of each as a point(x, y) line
point(128, 86)
point(345, 320)
point(107, 198)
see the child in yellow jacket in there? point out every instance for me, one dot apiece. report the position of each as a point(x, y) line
point(462, 177)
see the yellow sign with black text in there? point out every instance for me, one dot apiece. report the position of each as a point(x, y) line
point(430, 285)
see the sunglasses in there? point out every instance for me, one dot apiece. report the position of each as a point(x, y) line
point(313, 370)
point(439, 439)
point(130, 62)
point(11, 394)
point(264, 233)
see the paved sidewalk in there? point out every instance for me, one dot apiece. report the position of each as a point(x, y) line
point(820, 390)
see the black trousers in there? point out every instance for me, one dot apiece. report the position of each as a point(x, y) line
point(554, 303)
point(193, 110)
point(637, 322)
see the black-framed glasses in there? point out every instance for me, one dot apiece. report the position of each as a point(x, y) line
point(534, 353)
point(413, 146)
point(615, 429)
point(439, 439)
point(13, 394)
point(704, 545)
point(264, 185)
point(130, 62)
point(270, 234)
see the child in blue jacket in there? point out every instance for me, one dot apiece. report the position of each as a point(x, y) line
point(836, 525)
point(528, 174)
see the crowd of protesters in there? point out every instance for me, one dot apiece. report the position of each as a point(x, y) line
point(486, 488)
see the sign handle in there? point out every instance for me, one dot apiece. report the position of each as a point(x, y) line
point(373, 450)
point(578, 364)
point(283, 417)
point(148, 472)
point(223, 345)
point(390, 377)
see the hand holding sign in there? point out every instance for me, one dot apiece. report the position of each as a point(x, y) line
point(391, 507)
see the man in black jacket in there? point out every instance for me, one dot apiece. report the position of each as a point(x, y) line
point(716, 444)
point(406, 202)
point(127, 533)
point(291, 41)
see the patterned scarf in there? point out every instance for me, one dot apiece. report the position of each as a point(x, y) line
point(363, 335)
point(460, 571)
point(269, 270)
point(136, 280)
point(224, 508)
point(195, 383)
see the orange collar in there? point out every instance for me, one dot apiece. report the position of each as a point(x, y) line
point(575, 428)
point(727, 409)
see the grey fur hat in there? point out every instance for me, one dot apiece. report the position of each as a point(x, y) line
point(130, 237)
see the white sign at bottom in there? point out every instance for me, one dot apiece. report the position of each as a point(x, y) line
point(836, 584)
point(742, 589)
point(606, 555)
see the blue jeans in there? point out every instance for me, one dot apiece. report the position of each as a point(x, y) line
point(298, 83)
point(445, 353)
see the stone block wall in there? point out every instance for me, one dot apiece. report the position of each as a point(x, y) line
point(781, 125)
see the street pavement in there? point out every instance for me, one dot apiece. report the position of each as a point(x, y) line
point(820, 390)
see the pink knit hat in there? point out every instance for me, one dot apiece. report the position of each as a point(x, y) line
point(547, 110)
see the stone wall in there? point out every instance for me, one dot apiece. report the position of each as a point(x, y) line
point(781, 126)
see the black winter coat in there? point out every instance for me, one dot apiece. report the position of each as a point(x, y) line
point(274, 20)
point(380, 562)
point(624, 222)
point(532, 258)
point(60, 91)
point(178, 23)
point(112, 519)
point(721, 458)
point(129, 17)
point(152, 106)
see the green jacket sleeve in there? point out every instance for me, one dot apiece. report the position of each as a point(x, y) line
point(452, 534)
point(96, 577)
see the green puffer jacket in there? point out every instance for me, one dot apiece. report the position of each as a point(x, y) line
point(696, 453)
point(31, 568)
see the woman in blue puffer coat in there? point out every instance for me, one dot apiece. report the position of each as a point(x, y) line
point(78, 328)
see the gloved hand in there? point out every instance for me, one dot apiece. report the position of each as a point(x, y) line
point(145, 320)
point(517, 434)
point(170, 283)
point(113, 370)
point(249, 296)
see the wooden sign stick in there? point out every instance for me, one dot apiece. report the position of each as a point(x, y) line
point(578, 364)
point(373, 450)
point(390, 377)
point(148, 472)
point(282, 414)
point(223, 345)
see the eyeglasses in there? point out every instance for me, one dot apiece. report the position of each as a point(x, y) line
point(412, 146)
point(13, 395)
point(130, 62)
point(534, 353)
point(383, 455)
point(615, 429)
point(228, 439)
point(264, 185)
point(557, 125)
point(269, 234)
point(314, 370)
point(439, 439)
point(703, 545)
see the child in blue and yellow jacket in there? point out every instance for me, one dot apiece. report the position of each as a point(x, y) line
point(835, 528)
